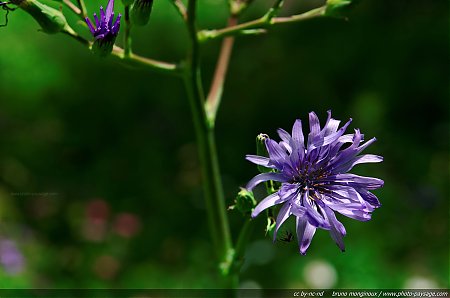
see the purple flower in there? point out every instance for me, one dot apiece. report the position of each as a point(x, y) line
point(10, 257)
point(314, 179)
point(106, 29)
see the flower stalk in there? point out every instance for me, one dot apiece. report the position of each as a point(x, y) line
point(83, 9)
point(212, 184)
point(216, 91)
point(259, 25)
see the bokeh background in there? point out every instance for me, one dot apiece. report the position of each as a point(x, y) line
point(99, 178)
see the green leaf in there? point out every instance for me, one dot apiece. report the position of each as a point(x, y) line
point(50, 19)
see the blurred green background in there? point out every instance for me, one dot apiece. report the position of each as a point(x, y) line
point(99, 178)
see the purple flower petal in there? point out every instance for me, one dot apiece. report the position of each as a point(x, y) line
point(97, 21)
point(313, 216)
point(284, 135)
point(265, 177)
point(337, 230)
point(330, 126)
point(116, 26)
point(91, 27)
point(102, 16)
point(368, 197)
point(109, 10)
point(305, 233)
point(355, 181)
point(276, 153)
point(259, 160)
point(268, 202)
point(366, 158)
point(288, 190)
point(283, 214)
point(314, 124)
point(297, 135)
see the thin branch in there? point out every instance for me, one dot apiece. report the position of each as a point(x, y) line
point(74, 35)
point(181, 9)
point(151, 64)
point(132, 60)
point(215, 94)
point(83, 9)
point(72, 6)
point(259, 24)
point(273, 11)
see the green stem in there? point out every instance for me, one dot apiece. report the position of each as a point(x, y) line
point(181, 9)
point(83, 9)
point(150, 64)
point(257, 25)
point(127, 35)
point(216, 91)
point(212, 184)
point(74, 35)
point(132, 60)
point(73, 7)
point(241, 245)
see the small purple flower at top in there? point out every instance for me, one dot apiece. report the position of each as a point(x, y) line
point(106, 30)
point(314, 179)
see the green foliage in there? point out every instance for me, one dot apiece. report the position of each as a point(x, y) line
point(88, 129)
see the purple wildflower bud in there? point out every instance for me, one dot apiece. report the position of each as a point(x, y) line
point(314, 178)
point(105, 30)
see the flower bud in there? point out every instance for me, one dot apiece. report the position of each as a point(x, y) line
point(261, 150)
point(140, 12)
point(238, 6)
point(244, 202)
point(105, 30)
point(335, 8)
point(50, 19)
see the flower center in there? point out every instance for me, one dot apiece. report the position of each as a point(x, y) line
point(311, 179)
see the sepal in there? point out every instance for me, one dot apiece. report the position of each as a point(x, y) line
point(103, 46)
point(244, 202)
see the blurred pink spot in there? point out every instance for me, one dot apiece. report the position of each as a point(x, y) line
point(97, 211)
point(95, 223)
point(127, 225)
